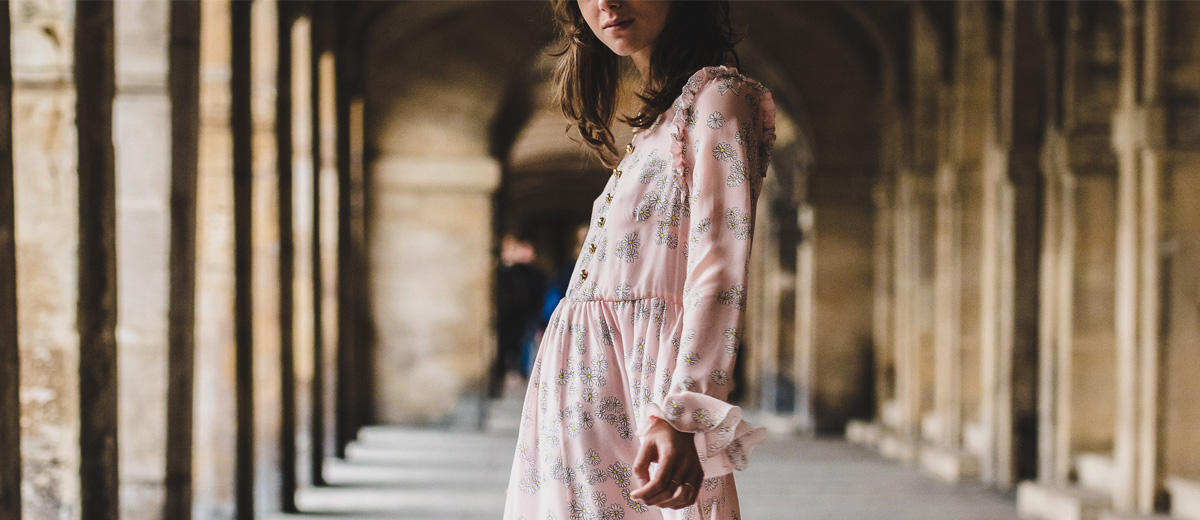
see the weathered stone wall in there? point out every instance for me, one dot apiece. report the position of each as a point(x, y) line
point(44, 157)
point(433, 329)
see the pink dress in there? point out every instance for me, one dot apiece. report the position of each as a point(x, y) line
point(651, 321)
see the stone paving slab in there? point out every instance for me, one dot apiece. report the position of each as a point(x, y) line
point(415, 474)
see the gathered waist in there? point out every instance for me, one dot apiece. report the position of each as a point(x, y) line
point(673, 300)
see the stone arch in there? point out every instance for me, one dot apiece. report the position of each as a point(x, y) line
point(429, 128)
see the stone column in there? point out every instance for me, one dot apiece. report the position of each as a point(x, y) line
point(947, 308)
point(768, 341)
point(96, 314)
point(143, 155)
point(913, 324)
point(287, 250)
point(884, 280)
point(996, 240)
point(184, 80)
point(47, 234)
point(804, 365)
point(1055, 322)
point(1139, 127)
point(1076, 327)
point(325, 228)
point(10, 405)
point(319, 433)
point(310, 440)
point(215, 396)
point(265, 264)
point(1011, 252)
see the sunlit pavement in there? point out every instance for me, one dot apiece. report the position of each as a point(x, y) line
point(427, 474)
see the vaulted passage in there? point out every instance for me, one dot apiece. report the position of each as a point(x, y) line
point(251, 253)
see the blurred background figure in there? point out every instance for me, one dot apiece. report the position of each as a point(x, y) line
point(519, 291)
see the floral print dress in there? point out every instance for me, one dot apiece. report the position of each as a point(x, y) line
point(651, 322)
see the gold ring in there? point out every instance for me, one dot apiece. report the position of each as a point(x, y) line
point(676, 482)
point(689, 484)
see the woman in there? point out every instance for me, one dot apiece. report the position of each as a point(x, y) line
point(625, 416)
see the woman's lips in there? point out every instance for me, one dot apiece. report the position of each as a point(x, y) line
point(619, 24)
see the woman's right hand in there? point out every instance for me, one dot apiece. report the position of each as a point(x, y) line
point(677, 483)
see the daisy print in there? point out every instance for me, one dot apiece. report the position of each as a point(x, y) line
point(643, 211)
point(589, 395)
point(592, 457)
point(737, 174)
point(603, 334)
point(735, 296)
point(716, 120)
point(627, 248)
point(675, 409)
point(689, 358)
point(654, 167)
point(724, 152)
point(665, 236)
point(729, 84)
point(600, 363)
point(623, 291)
point(657, 201)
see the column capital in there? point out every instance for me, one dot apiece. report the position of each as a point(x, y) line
point(1139, 127)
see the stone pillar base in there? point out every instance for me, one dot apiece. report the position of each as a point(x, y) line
point(895, 447)
point(1097, 472)
point(949, 465)
point(931, 427)
point(1114, 516)
point(784, 424)
point(1185, 498)
point(863, 433)
point(1045, 502)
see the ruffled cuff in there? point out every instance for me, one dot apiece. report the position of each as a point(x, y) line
point(723, 440)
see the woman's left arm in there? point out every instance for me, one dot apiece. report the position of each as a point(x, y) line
point(730, 140)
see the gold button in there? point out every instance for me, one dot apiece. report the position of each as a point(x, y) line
point(600, 222)
point(629, 148)
point(583, 274)
point(592, 248)
point(608, 198)
point(617, 172)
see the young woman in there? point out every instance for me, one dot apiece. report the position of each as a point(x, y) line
point(625, 416)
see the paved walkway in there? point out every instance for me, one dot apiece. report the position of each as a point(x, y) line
point(416, 474)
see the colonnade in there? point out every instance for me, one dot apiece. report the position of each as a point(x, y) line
point(1039, 309)
point(182, 242)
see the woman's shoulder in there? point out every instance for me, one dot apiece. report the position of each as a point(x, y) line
point(725, 90)
point(717, 81)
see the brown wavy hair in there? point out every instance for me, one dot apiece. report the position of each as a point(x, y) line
point(697, 34)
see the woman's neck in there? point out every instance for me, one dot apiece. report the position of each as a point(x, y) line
point(641, 60)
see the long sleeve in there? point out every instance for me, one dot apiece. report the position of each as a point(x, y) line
point(725, 139)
